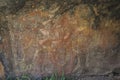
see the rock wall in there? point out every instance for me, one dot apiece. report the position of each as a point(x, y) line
point(1, 71)
point(39, 42)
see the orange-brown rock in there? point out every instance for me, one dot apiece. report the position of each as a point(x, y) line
point(1, 71)
point(40, 42)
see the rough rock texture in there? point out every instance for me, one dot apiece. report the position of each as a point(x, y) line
point(1, 70)
point(42, 37)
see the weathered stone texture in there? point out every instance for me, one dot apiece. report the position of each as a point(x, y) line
point(43, 45)
point(1, 71)
point(40, 42)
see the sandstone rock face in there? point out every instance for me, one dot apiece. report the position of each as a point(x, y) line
point(40, 43)
point(1, 71)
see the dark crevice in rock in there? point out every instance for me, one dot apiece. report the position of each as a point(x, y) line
point(16, 5)
point(116, 72)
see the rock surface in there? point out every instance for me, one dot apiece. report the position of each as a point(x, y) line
point(73, 38)
point(1, 71)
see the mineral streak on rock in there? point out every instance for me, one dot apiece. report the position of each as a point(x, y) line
point(1, 71)
point(47, 36)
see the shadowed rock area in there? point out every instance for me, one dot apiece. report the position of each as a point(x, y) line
point(78, 37)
